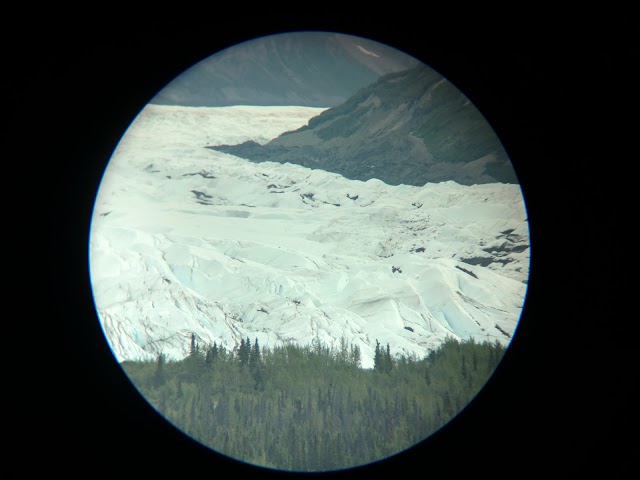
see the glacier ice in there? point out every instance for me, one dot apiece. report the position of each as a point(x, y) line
point(187, 239)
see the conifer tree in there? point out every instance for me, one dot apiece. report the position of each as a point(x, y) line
point(294, 409)
point(356, 356)
point(382, 359)
point(247, 346)
point(194, 348)
point(159, 375)
point(344, 349)
point(241, 350)
point(244, 351)
point(388, 364)
point(377, 358)
point(212, 355)
point(255, 355)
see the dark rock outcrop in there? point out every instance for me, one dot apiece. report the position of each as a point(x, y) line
point(410, 127)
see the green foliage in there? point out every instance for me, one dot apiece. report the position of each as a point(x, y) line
point(313, 408)
point(159, 377)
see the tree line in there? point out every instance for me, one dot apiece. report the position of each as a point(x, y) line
point(313, 407)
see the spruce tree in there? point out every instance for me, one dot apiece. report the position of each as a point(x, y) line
point(356, 356)
point(244, 351)
point(344, 349)
point(194, 348)
point(159, 375)
point(377, 358)
point(241, 350)
point(212, 355)
point(388, 364)
point(255, 355)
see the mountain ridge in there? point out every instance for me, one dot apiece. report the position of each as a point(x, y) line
point(410, 127)
point(318, 69)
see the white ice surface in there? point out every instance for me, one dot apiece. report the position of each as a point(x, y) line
point(186, 239)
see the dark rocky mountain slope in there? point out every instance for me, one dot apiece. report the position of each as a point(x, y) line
point(409, 127)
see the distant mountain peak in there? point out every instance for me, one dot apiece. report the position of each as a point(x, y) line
point(300, 68)
point(367, 52)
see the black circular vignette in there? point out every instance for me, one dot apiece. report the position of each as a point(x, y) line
point(558, 401)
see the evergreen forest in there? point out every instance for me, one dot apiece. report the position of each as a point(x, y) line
point(313, 407)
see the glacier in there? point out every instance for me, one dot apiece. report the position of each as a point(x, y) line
point(188, 240)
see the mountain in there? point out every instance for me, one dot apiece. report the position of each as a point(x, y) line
point(301, 68)
point(410, 127)
point(186, 239)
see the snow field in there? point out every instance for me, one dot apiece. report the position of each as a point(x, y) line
point(185, 239)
